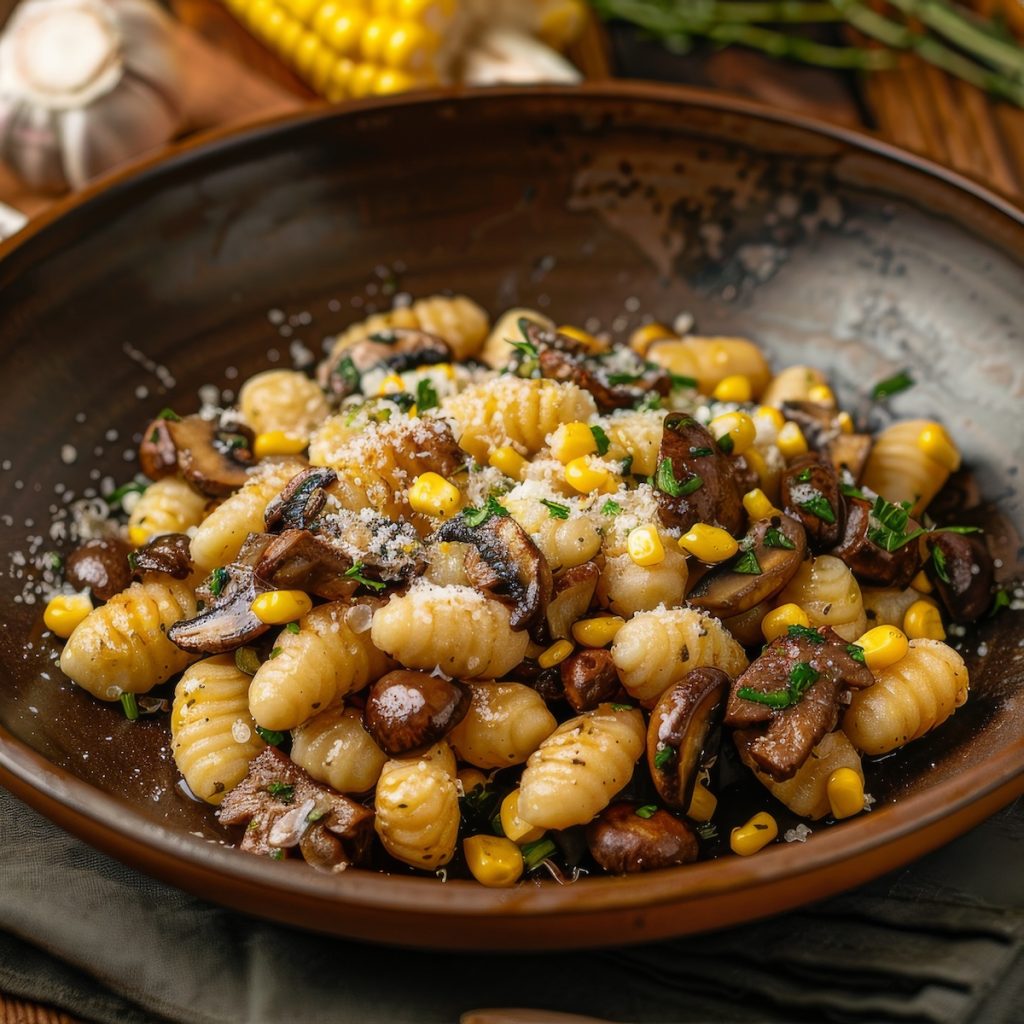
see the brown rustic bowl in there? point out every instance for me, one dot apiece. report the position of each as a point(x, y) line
point(609, 202)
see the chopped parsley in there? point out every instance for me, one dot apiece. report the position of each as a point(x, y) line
point(283, 791)
point(133, 561)
point(402, 399)
point(478, 516)
point(292, 627)
point(218, 578)
point(315, 815)
point(939, 561)
point(55, 562)
point(271, 736)
point(801, 678)
point(707, 831)
point(679, 381)
point(556, 510)
point(856, 652)
point(805, 633)
point(804, 475)
point(665, 480)
point(274, 653)
point(535, 853)
point(623, 378)
point(627, 465)
point(699, 452)
point(346, 370)
point(356, 573)
point(527, 348)
point(663, 757)
point(131, 708)
point(622, 707)
point(999, 601)
point(748, 564)
point(819, 506)
point(247, 660)
point(887, 526)
point(611, 508)
point(849, 491)
point(426, 395)
point(649, 403)
point(117, 496)
point(276, 855)
point(601, 440)
point(168, 414)
point(892, 385)
point(479, 806)
point(775, 538)
point(726, 444)
point(647, 811)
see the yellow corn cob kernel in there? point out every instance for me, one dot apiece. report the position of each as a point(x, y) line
point(272, 21)
point(435, 14)
point(845, 421)
point(791, 440)
point(320, 72)
point(277, 607)
point(738, 427)
point(755, 835)
point(922, 621)
point(508, 461)
point(821, 394)
point(138, 535)
point(287, 35)
point(921, 583)
point(362, 80)
point(769, 412)
point(513, 826)
point(341, 28)
point(277, 442)
point(735, 388)
point(302, 10)
point(390, 81)
point(703, 803)
point(432, 495)
point(777, 622)
point(392, 384)
point(580, 335)
point(255, 16)
point(644, 337)
point(471, 778)
point(883, 646)
point(709, 543)
point(758, 506)
point(556, 653)
point(64, 612)
point(597, 632)
point(572, 441)
point(583, 477)
point(341, 74)
point(493, 861)
point(402, 45)
point(845, 793)
point(936, 444)
point(306, 53)
point(644, 545)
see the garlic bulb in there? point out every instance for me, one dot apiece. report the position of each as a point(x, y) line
point(506, 55)
point(84, 86)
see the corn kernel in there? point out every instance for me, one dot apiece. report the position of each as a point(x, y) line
point(561, 23)
point(583, 477)
point(277, 442)
point(845, 421)
point(921, 583)
point(709, 543)
point(644, 545)
point(738, 427)
point(755, 460)
point(735, 388)
point(922, 621)
point(277, 607)
point(791, 440)
point(777, 622)
point(755, 835)
point(138, 535)
point(583, 337)
point(769, 412)
point(391, 81)
point(597, 632)
point(703, 803)
point(508, 461)
point(845, 790)
point(432, 495)
point(555, 654)
point(644, 337)
point(821, 394)
point(758, 506)
point(883, 646)
point(936, 444)
point(471, 778)
point(513, 826)
point(572, 441)
point(493, 861)
point(392, 384)
point(64, 612)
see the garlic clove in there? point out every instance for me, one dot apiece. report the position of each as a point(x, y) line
point(507, 56)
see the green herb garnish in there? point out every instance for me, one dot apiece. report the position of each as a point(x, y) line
point(849, 491)
point(939, 561)
point(665, 480)
point(247, 660)
point(478, 516)
point(647, 811)
point(623, 378)
point(650, 403)
point(726, 444)
point(131, 708)
point(356, 573)
point(856, 652)
point(346, 370)
point(315, 815)
point(270, 736)
point(601, 440)
point(426, 395)
point(664, 756)
point(804, 475)
point(679, 381)
point(621, 707)
point(775, 538)
point(892, 385)
point(535, 853)
point(283, 791)
point(274, 653)
point(55, 562)
point(384, 337)
point(611, 508)
point(818, 506)
point(117, 496)
point(292, 627)
point(276, 855)
point(218, 579)
point(748, 564)
point(707, 831)
point(805, 633)
point(168, 414)
point(527, 348)
point(999, 601)
point(801, 678)
point(555, 510)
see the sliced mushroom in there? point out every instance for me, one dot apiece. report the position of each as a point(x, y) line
point(869, 562)
point(810, 493)
point(850, 452)
point(407, 711)
point(158, 454)
point(101, 565)
point(397, 348)
point(573, 593)
point(624, 841)
point(169, 553)
point(685, 716)
point(589, 678)
point(388, 551)
point(301, 501)
point(301, 560)
point(521, 570)
point(772, 552)
point(213, 460)
point(961, 570)
point(701, 487)
point(823, 433)
point(228, 622)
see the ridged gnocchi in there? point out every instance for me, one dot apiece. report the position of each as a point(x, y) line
point(282, 400)
point(334, 747)
point(830, 595)
point(505, 724)
point(900, 469)
point(166, 506)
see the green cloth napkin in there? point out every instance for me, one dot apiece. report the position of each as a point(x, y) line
point(940, 942)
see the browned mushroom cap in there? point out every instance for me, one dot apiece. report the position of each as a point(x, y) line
point(520, 570)
point(769, 558)
point(810, 493)
point(158, 454)
point(388, 551)
point(397, 348)
point(624, 842)
point(169, 553)
point(573, 591)
point(301, 560)
point(228, 622)
point(213, 460)
point(409, 711)
point(589, 678)
point(821, 429)
point(301, 500)
point(695, 481)
point(850, 452)
point(101, 565)
point(961, 570)
point(866, 559)
point(682, 720)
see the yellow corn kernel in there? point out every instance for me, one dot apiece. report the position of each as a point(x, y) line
point(883, 646)
point(755, 460)
point(432, 495)
point(755, 835)
point(735, 388)
point(922, 621)
point(471, 778)
point(644, 545)
point(289, 32)
point(583, 477)
point(306, 53)
point(513, 826)
point(561, 23)
point(363, 79)
point(777, 622)
point(64, 612)
point(769, 412)
point(494, 862)
point(277, 442)
point(791, 440)
point(138, 535)
point(337, 86)
point(277, 607)
point(597, 632)
point(758, 505)
point(578, 334)
point(936, 444)
point(644, 337)
point(572, 441)
point(703, 803)
point(302, 9)
point(392, 384)
point(821, 394)
point(709, 543)
point(845, 421)
point(738, 427)
point(921, 583)
point(508, 461)
point(555, 654)
point(845, 793)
